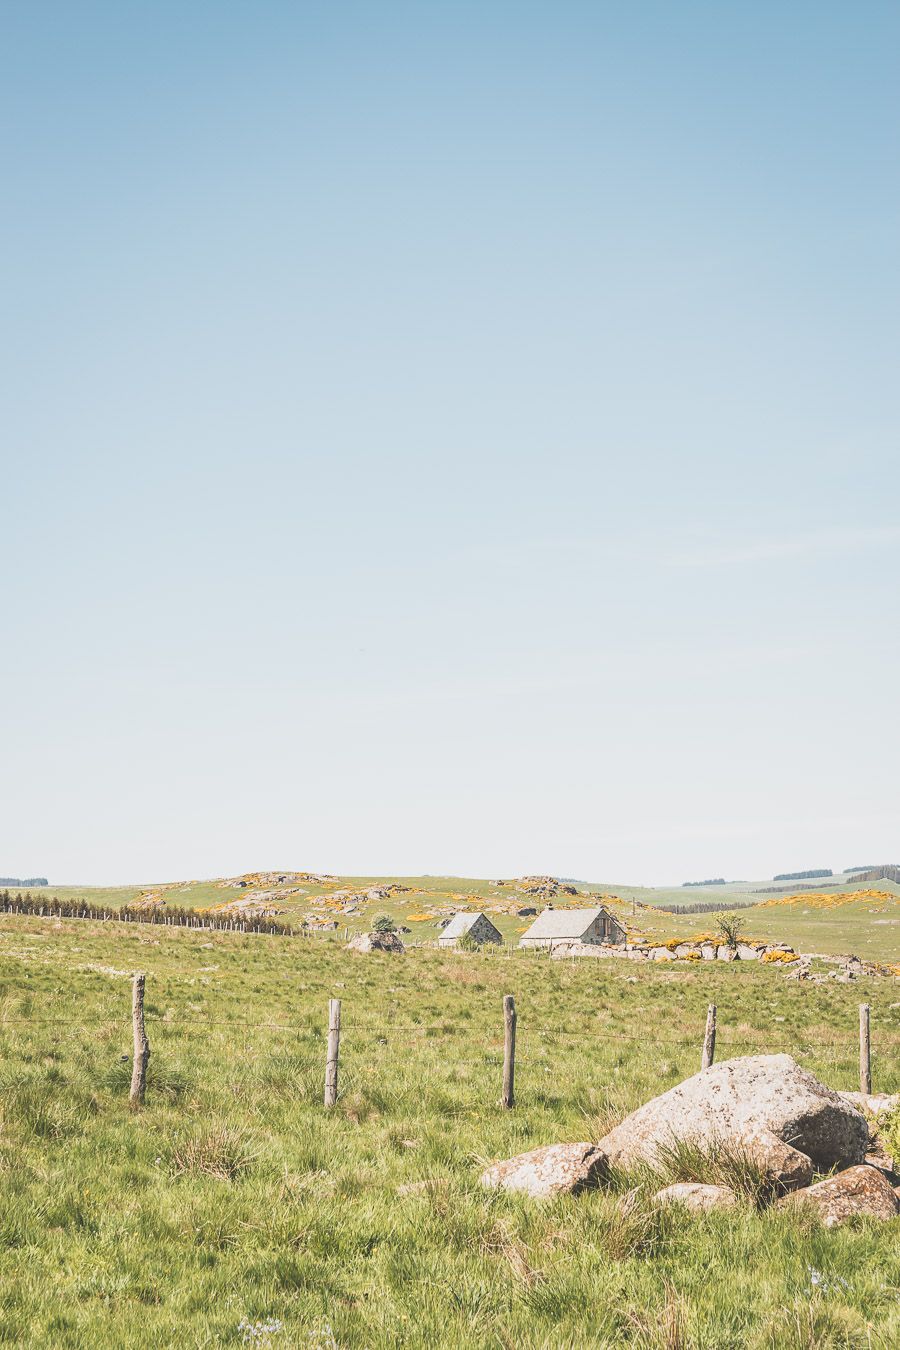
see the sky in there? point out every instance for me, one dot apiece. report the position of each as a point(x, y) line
point(449, 438)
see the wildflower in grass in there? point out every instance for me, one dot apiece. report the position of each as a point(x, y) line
point(824, 1285)
point(259, 1333)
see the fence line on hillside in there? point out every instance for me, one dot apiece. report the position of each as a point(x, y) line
point(174, 917)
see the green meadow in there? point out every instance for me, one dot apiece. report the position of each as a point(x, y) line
point(846, 918)
point(233, 1209)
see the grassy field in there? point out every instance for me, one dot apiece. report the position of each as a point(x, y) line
point(837, 921)
point(233, 1209)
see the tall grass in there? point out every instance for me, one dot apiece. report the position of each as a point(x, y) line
point(233, 1200)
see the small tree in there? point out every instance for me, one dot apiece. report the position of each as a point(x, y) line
point(731, 929)
point(383, 923)
point(466, 943)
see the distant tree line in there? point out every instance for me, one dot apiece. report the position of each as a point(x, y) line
point(886, 872)
point(172, 916)
point(710, 881)
point(26, 881)
point(804, 876)
point(869, 867)
point(703, 906)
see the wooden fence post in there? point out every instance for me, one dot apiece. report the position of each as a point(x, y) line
point(865, 1051)
point(709, 1038)
point(334, 1046)
point(508, 1100)
point(141, 1044)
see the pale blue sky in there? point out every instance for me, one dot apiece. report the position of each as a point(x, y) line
point(449, 437)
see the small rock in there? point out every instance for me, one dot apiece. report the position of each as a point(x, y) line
point(859, 1190)
point(557, 1169)
point(786, 1166)
point(699, 1199)
point(872, 1103)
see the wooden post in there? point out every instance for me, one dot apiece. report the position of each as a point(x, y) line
point(141, 1044)
point(709, 1038)
point(865, 1051)
point(508, 1100)
point(334, 1046)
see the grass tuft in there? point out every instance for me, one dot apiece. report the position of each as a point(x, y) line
point(219, 1151)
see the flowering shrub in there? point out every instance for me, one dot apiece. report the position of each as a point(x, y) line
point(829, 900)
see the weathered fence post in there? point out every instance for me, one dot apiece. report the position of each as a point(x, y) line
point(709, 1038)
point(334, 1048)
point(865, 1051)
point(141, 1044)
point(508, 1100)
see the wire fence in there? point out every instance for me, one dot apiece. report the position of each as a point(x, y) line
point(531, 1045)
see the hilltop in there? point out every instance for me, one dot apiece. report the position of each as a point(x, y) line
point(841, 915)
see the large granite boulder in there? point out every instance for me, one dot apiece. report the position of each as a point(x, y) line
point(859, 1190)
point(375, 942)
point(766, 1105)
point(557, 1169)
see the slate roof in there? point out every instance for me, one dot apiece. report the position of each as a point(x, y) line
point(563, 923)
point(461, 923)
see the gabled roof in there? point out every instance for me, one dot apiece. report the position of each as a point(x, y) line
point(563, 923)
point(461, 923)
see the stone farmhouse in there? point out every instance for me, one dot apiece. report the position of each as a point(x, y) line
point(560, 928)
point(478, 927)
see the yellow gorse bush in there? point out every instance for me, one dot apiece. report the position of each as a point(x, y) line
point(828, 899)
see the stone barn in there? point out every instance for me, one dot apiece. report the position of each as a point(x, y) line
point(565, 927)
point(478, 927)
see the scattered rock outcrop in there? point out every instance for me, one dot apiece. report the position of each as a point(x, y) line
point(767, 1108)
point(763, 1102)
point(558, 1169)
point(859, 1190)
point(698, 950)
point(259, 906)
point(543, 886)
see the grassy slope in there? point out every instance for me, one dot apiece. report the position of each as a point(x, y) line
point(113, 1234)
point(869, 928)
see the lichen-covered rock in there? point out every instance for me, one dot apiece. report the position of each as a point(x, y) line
point(859, 1190)
point(747, 1102)
point(375, 942)
point(872, 1103)
point(696, 1197)
point(786, 1166)
point(557, 1169)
